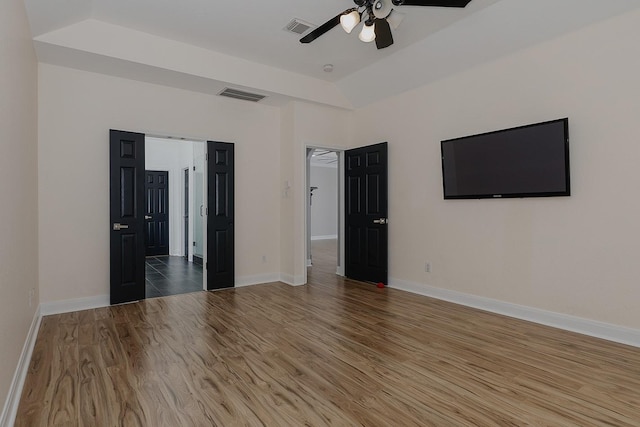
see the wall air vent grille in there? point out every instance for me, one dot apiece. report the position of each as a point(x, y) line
point(297, 26)
point(240, 94)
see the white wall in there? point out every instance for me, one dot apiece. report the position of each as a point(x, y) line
point(303, 125)
point(324, 205)
point(576, 255)
point(172, 156)
point(76, 111)
point(18, 188)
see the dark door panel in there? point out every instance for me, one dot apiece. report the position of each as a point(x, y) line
point(366, 236)
point(220, 228)
point(127, 206)
point(185, 216)
point(157, 213)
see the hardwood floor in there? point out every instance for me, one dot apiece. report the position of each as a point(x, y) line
point(324, 254)
point(334, 352)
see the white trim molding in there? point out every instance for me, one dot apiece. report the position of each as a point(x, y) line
point(78, 304)
point(8, 416)
point(292, 280)
point(607, 331)
point(257, 280)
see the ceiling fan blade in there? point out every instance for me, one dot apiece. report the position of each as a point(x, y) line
point(322, 29)
point(383, 34)
point(395, 19)
point(440, 3)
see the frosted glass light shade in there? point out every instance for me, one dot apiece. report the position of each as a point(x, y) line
point(350, 20)
point(368, 33)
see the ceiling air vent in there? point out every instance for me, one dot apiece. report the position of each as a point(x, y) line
point(240, 94)
point(297, 26)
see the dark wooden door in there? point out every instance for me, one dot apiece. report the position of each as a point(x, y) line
point(156, 188)
point(126, 192)
point(220, 232)
point(185, 216)
point(366, 233)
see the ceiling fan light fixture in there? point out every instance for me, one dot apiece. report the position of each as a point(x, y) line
point(350, 20)
point(380, 19)
point(368, 33)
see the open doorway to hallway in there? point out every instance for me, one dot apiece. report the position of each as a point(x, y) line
point(323, 211)
point(174, 217)
point(362, 246)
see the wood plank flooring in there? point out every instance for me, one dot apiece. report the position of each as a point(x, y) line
point(334, 352)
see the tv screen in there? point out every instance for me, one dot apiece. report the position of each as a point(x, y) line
point(526, 161)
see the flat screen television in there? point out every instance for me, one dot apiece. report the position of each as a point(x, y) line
point(525, 161)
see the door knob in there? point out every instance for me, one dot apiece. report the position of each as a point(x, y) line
point(148, 217)
point(117, 226)
point(381, 221)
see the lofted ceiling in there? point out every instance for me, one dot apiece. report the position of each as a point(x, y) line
point(430, 43)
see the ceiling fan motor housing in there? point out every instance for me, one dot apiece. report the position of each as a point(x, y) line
point(382, 8)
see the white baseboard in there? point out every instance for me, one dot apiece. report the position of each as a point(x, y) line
point(607, 331)
point(329, 237)
point(67, 306)
point(8, 416)
point(78, 304)
point(257, 279)
point(292, 280)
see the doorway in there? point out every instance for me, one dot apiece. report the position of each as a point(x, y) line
point(127, 165)
point(362, 233)
point(173, 221)
point(322, 210)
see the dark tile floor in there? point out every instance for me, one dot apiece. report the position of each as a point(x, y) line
point(172, 275)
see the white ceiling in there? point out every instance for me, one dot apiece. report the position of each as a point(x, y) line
point(252, 29)
point(430, 43)
point(324, 158)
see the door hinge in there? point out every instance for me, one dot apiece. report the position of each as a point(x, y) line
point(194, 168)
point(206, 211)
point(206, 265)
point(194, 243)
point(206, 156)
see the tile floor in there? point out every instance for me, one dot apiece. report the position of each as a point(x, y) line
point(171, 275)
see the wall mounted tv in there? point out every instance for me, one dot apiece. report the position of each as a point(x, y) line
point(526, 161)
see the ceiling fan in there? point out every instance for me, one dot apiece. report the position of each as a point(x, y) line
point(380, 17)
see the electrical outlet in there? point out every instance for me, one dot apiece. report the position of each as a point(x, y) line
point(427, 267)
